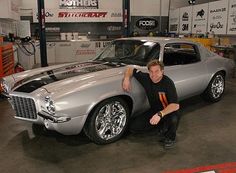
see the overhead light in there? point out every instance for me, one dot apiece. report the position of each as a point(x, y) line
point(191, 2)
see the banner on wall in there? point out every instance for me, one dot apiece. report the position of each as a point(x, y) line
point(217, 17)
point(73, 15)
point(82, 11)
point(174, 21)
point(232, 17)
point(79, 4)
point(185, 24)
point(200, 16)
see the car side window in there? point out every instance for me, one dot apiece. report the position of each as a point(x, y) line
point(154, 53)
point(180, 54)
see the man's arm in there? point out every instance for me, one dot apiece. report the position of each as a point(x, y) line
point(126, 84)
point(169, 109)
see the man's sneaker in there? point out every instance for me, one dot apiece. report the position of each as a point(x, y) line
point(168, 143)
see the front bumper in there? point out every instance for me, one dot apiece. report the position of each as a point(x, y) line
point(71, 127)
point(54, 119)
point(64, 125)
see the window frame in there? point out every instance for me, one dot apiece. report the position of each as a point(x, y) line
point(194, 46)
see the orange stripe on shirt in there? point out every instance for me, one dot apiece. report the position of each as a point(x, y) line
point(162, 100)
point(165, 99)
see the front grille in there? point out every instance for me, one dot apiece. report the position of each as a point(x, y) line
point(24, 107)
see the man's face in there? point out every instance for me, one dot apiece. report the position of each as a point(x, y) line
point(155, 73)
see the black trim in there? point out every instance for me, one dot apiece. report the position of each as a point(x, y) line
point(32, 83)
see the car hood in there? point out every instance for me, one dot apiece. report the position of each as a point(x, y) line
point(52, 78)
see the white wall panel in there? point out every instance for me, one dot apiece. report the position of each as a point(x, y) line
point(232, 17)
point(185, 20)
point(200, 16)
point(217, 17)
point(10, 9)
point(174, 21)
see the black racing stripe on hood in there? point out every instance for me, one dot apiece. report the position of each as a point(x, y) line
point(32, 83)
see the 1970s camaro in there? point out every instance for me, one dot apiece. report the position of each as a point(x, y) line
point(88, 96)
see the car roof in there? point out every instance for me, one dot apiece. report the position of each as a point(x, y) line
point(161, 40)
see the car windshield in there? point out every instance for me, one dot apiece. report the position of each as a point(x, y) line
point(129, 52)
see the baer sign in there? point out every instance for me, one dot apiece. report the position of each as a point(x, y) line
point(217, 17)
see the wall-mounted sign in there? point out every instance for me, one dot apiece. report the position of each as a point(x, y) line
point(174, 21)
point(14, 7)
point(73, 15)
point(66, 14)
point(147, 23)
point(185, 15)
point(79, 4)
point(232, 17)
point(114, 28)
point(200, 16)
point(50, 15)
point(217, 17)
point(84, 50)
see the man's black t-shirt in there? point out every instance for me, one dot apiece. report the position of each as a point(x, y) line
point(159, 94)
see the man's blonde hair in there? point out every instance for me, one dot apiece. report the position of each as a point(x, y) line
point(155, 62)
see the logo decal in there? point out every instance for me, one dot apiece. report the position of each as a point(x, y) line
point(79, 4)
point(201, 13)
point(147, 23)
point(82, 14)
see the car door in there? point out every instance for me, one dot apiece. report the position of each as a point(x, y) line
point(184, 66)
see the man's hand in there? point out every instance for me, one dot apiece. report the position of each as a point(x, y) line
point(155, 119)
point(126, 85)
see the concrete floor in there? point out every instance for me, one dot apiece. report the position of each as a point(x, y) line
point(206, 135)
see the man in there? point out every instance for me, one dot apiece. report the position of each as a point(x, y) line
point(162, 97)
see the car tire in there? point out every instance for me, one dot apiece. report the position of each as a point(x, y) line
point(215, 88)
point(108, 121)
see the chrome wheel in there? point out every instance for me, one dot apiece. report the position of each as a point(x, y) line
point(217, 86)
point(111, 120)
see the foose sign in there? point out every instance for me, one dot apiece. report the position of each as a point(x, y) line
point(147, 23)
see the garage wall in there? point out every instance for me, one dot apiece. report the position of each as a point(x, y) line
point(9, 14)
point(7, 26)
point(149, 7)
point(156, 11)
point(95, 29)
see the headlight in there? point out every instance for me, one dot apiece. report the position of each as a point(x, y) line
point(49, 105)
point(5, 87)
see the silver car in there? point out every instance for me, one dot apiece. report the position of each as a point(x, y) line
point(88, 96)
